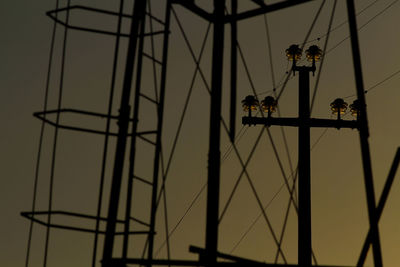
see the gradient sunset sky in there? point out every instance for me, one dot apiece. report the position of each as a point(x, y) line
point(339, 211)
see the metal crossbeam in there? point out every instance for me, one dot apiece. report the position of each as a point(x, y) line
point(165, 262)
point(265, 9)
point(295, 122)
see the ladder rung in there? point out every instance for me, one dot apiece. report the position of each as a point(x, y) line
point(140, 221)
point(142, 180)
point(155, 18)
point(134, 233)
point(154, 33)
point(152, 58)
point(146, 140)
point(149, 98)
point(146, 132)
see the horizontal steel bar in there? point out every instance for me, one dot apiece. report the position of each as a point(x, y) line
point(103, 11)
point(140, 221)
point(86, 29)
point(79, 111)
point(40, 116)
point(146, 140)
point(244, 261)
point(152, 58)
point(149, 98)
point(67, 213)
point(29, 216)
point(142, 180)
point(295, 122)
point(107, 12)
point(264, 9)
point(73, 128)
point(160, 262)
point(190, 5)
point(50, 14)
point(146, 132)
point(259, 2)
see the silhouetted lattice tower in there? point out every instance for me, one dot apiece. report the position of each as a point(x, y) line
point(140, 131)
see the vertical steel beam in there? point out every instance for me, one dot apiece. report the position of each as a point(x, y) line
point(366, 157)
point(160, 115)
point(139, 11)
point(215, 135)
point(304, 227)
point(232, 120)
point(381, 205)
point(132, 154)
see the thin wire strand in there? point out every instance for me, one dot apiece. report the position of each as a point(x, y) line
point(180, 124)
point(286, 218)
point(257, 218)
point(269, 134)
point(362, 26)
point(288, 75)
point(191, 51)
point(241, 161)
point(343, 23)
point(323, 58)
point(165, 206)
point(274, 197)
point(257, 196)
point(377, 84)
point(283, 133)
point(41, 137)
point(249, 157)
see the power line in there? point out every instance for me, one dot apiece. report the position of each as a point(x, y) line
point(343, 23)
point(365, 24)
point(377, 84)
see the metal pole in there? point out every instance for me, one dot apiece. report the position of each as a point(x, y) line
point(304, 228)
point(160, 114)
point(132, 155)
point(381, 205)
point(215, 132)
point(123, 123)
point(366, 157)
point(233, 72)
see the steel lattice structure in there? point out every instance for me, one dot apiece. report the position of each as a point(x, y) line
point(129, 134)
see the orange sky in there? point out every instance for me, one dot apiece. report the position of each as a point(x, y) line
point(338, 199)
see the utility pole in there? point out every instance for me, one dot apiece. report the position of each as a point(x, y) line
point(214, 156)
point(123, 123)
point(304, 169)
point(304, 123)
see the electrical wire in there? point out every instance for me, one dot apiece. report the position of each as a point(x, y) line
point(377, 84)
point(362, 26)
point(283, 86)
point(191, 51)
point(343, 23)
point(274, 197)
point(285, 142)
point(288, 75)
point(247, 72)
point(180, 124)
point(249, 157)
point(323, 57)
